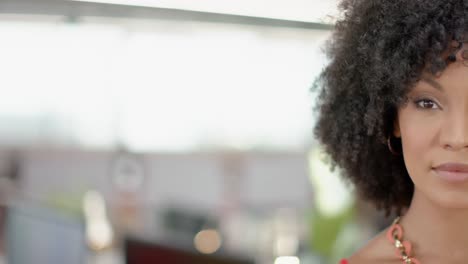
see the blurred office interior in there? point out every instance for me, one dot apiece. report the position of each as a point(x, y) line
point(146, 131)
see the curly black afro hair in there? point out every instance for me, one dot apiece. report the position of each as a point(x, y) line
point(378, 51)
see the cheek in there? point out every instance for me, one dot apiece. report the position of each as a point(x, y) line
point(415, 137)
point(418, 135)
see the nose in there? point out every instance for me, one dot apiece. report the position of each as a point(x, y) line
point(455, 131)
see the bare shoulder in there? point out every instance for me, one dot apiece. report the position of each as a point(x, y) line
point(377, 250)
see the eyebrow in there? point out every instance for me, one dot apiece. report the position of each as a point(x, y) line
point(433, 83)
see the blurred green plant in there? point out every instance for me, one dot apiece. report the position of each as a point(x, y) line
point(68, 203)
point(325, 230)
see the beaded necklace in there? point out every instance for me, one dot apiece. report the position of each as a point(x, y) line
point(403, 248)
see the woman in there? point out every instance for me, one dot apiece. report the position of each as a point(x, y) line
point(394, 117)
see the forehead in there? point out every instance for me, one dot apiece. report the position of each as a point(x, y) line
point(454, 78)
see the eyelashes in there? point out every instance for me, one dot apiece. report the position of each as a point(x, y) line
point(426, 104)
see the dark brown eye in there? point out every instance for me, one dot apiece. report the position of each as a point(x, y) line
point(426, 104)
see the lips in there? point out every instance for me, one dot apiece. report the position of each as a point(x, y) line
point(452, 172)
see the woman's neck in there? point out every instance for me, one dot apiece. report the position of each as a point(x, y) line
point(435, 231)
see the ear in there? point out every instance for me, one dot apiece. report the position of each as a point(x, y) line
point(396, 128)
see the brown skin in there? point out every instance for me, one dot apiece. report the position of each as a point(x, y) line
point(433, 126)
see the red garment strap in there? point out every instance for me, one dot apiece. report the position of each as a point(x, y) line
point(344, 261)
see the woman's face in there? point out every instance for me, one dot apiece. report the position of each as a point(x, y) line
point(433, 127)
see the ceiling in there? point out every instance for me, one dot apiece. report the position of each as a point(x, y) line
point(296, 10)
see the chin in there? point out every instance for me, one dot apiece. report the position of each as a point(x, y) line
point(450, 199)
point(440, 193)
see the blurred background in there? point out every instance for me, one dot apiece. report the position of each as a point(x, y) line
point(157, 131)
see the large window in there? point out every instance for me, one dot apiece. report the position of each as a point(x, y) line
point(156, 84)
